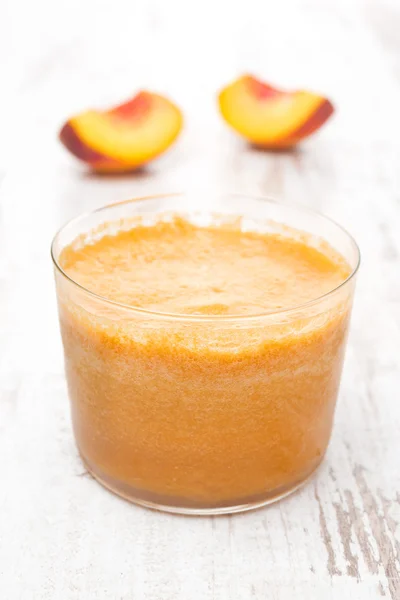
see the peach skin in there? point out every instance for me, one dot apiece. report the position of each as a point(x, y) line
point(269, 117)
point(125, 137)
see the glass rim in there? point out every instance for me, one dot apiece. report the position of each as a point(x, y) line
point(187, 317)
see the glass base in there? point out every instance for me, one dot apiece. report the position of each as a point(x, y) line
point(183, 506)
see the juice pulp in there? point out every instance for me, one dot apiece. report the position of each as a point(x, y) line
point(178, 405)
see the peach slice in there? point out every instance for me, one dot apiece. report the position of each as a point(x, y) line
point(125, 137)
point(269, 117)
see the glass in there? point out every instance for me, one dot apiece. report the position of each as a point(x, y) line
point(203, 414)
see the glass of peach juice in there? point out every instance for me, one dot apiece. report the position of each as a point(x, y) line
point(204, 340)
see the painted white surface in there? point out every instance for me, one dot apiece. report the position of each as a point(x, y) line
point(63, 537)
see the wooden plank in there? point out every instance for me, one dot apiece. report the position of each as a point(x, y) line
point(61, 535)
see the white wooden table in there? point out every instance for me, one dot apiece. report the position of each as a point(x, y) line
point(63, 537)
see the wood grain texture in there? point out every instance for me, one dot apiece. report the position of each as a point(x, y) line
point(62, 537)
